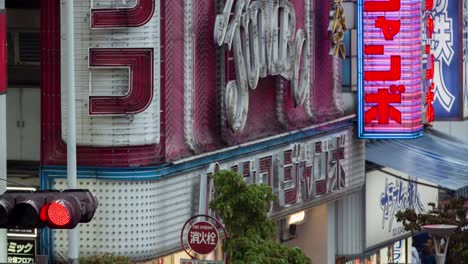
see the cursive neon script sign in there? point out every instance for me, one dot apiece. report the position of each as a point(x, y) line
point(261, 36)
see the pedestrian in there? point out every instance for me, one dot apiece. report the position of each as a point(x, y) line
point(428, 256)
point(415, 255)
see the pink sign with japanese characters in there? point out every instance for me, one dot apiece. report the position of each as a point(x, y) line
point(390, 69)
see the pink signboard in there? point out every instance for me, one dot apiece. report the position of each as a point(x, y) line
point(389, 65)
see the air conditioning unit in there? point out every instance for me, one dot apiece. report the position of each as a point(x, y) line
point(23, 57)
point(23, 44)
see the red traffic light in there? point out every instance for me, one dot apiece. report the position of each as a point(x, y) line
point(59, 213)
point(46, 208)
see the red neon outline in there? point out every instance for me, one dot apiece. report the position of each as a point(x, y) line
point(53, 149)
point(141, 86)
point(135, 16)
point(382, 6)
point(395, 66)
point(389, 27)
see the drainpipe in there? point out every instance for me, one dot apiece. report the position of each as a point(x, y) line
point(3, 139)
point(73, 234)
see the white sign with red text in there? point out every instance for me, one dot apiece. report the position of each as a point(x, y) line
point(117, 73)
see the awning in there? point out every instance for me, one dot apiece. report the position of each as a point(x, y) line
point(435, 157)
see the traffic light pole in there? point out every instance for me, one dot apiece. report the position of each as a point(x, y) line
point(3, 140)
point(73, 235)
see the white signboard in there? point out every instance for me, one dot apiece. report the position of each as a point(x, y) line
point(117, 73)
point(385, 196)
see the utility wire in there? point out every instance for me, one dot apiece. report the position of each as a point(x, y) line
point(10, 181)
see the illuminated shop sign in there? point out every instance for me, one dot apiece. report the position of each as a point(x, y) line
point(448, 80)
point(428, 66)
point(389, 65)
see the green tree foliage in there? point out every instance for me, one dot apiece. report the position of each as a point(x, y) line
point(243, 209)
point(452, 213)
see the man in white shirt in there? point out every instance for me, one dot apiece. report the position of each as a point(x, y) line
point(415, 255)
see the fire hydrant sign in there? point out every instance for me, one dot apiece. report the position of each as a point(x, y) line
point(202, 237)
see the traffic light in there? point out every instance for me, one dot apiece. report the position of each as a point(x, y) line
point(54, 209)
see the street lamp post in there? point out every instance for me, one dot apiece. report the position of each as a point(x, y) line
point(439, 232)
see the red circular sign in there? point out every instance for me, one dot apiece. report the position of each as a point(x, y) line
point(202, 237)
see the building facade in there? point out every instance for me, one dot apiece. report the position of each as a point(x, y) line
point(168, 92)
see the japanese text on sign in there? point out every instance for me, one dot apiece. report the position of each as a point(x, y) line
point(428, 74)
point(202, 237)
point(300, 172)
point(391, 68)
point(396, 197)
point(21, 251)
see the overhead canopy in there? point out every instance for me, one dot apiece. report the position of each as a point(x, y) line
point(435, 157)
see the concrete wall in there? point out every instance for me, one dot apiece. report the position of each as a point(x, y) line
point(457, 129)
point(312, 234)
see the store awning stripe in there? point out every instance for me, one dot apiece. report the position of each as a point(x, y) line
point(435, 157)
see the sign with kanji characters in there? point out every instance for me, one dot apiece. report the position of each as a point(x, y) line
point(389, 69)
point(385, 196)
point(448, 63)
point(196, 261)
point(202, 237)
point(21, 250)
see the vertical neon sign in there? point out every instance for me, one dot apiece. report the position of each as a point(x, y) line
point(428, 71)
point(389, 69)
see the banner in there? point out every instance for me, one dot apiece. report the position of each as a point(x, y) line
point(465, 58)
point(448, 80)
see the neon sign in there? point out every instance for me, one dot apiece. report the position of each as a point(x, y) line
point(262, 38)
point(428, 74)
point(389, 65)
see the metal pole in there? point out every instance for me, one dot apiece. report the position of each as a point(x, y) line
point(73, 235)
point(3, 139)
point(3, 172)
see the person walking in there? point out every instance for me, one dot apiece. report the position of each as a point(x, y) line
point(415, 255)
point(428, 256)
